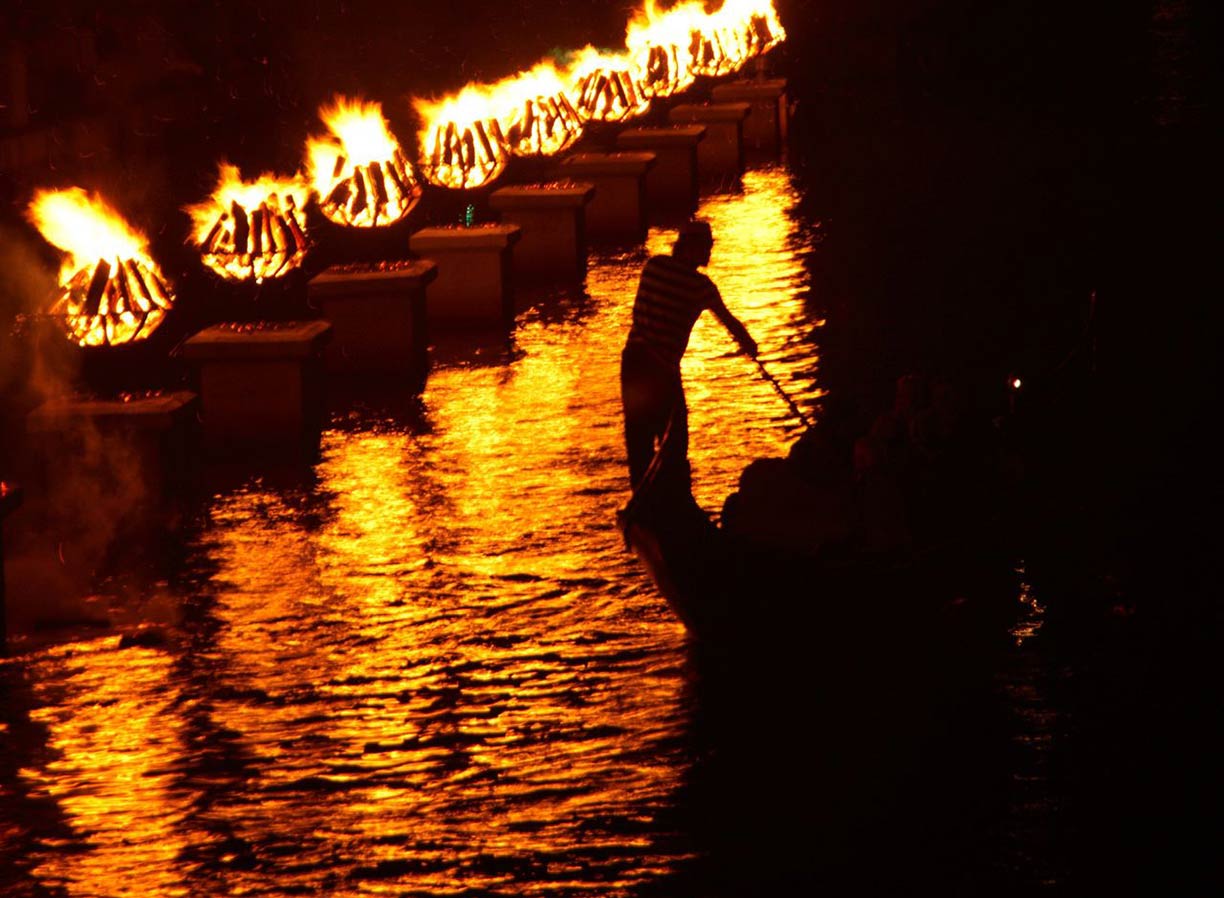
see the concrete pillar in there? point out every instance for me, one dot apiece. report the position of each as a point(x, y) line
point(260, 383)
point(553, 222)
point(154, 432)
point(720, 156)
point(474, 287)
point(765, 127)
point(671, 183)
point(377, 314)
point(617, 211)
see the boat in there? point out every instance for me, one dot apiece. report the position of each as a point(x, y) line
point(939, 610)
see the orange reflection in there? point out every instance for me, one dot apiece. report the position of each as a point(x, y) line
point(115, 734)
point(438, 665)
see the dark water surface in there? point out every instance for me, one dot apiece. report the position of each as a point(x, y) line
point(423, 663)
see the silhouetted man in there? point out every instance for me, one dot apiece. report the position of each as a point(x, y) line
point(671, 295)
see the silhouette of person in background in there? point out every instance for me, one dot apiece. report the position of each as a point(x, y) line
point(671, 296)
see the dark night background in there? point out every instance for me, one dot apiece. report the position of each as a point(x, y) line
point(980, 170)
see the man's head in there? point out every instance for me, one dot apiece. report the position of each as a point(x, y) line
point(694, 243)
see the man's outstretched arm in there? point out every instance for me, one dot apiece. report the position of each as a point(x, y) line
point(733, 324)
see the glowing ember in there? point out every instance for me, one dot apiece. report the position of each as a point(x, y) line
point(661, 46)
point(535, 112)
point(360, 174)
point(462, 145)
point(605, 87)
point(252, 229)
point(113, 291)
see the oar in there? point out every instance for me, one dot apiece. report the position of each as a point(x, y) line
point(773, 382)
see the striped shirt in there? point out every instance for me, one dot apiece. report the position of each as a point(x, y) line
point(670, 297)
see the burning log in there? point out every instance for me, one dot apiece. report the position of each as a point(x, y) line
point(97, 285)
point(242, 228)
point(104, 297)
point(251, 230)
point(257, 219)
point(358, 171)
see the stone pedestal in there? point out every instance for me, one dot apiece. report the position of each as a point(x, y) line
point(766, 124)
point(377, 314)
point(671, 183)
point(474, 286)
point(553, 222)
point(260, 383)
point(617, 211)
point(10, 500)
point(144, 438)
point(720, 156)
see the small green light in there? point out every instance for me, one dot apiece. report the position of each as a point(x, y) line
point(468, 215)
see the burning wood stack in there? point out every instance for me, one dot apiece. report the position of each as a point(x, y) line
point(112, 292)
point(606, 87)
point(661, 46)
point(462, 145)
point(762, 27)
point(252, 230)
point(539, 119)
point(359, 171)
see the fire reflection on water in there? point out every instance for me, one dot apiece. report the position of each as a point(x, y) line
point(433, 667)
point(115, 742)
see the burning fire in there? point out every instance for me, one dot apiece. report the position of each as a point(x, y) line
point(720, 44)
point(661, 46)
point(113, 291)
point(606, 86)
point(462, 145)
point(360, 174)
point(762, 27)
point(535, 112)
point(252, 229)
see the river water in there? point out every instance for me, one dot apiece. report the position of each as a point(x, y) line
point(426, 662)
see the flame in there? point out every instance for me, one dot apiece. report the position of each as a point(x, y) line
point(252, 229)
point(672, 47)
point(535, 112)
point(721, 44)
point(462, 145)
point(359, 172)
point(606, 86)
point(113, 290)
point(660, 44)
point(758, 20)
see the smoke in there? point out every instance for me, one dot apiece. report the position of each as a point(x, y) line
point(32, 367)
point(88, 496)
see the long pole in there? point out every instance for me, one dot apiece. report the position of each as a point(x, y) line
point(773, 382)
